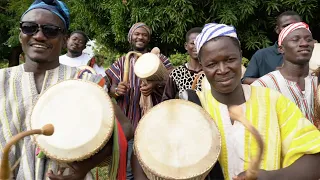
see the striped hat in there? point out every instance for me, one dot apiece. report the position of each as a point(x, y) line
point(290, 28)
point(135, 27)
point(213, 30)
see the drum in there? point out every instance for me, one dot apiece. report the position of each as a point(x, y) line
point(83, 118)
point(177, 139)
point(314, 62)
point(150, 68)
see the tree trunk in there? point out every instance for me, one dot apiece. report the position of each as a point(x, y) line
point(14, 56)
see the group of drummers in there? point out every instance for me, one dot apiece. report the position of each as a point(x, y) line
point(184, 122)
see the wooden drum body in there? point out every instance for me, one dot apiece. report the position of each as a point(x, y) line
point(177, 140)
point(83, 118)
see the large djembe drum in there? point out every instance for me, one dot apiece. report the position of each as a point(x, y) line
point(177, 139)
point(82, 115)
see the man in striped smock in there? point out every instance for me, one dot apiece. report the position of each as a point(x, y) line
point(128, 94)
point(291, 142)
point(43, 30)
point(293, 80)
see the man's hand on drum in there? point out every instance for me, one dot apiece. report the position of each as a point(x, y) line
point(122, 89)
point(262, 174)
point(147, 88)
point(80, 169)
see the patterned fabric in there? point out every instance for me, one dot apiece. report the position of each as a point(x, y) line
point(289, 29)
point(287, 135)
point(18, 95)
point(213, 30)
point(136, 26)
point(181, 79)
point(130, 102)
point(55, 6)
point(304, 100)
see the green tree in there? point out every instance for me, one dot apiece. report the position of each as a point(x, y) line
point(109, 21)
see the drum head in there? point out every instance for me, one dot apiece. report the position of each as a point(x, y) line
point(146, 65)
point(177, 139)
point(83, 119)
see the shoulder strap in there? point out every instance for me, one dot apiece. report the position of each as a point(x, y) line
point(193, 97)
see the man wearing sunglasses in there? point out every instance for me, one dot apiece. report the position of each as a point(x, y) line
point(43, 30)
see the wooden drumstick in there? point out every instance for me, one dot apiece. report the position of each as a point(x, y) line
point(127, 65)
point(195, 81)
point(5, 170)
point(237, 114)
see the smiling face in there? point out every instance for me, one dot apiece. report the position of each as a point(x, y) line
point(221, 63)
point(38, 47)
point(140, 39)
point(297, 46)
point(191, 47)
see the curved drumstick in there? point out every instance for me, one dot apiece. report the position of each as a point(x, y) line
point(195, 81)
point(127, 65)
point(237, 114)
point(5, 171)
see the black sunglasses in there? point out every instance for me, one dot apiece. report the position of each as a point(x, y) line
point(31, 28)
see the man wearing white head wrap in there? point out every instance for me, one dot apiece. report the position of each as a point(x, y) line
point(213, 30)
point(291, 142)
point(293, 79)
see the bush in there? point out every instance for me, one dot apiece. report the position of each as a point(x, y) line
point(178, 59)
point(3, 64)
point(245, 61)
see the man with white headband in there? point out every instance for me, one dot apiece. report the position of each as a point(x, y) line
point(291, 142)
point(293, 79)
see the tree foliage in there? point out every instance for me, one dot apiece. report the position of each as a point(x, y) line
point(108, 21)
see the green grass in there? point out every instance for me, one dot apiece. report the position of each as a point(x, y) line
point(103, 171)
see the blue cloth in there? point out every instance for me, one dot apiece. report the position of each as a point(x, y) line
point(55, 6)
point(264, 61)
point(129, 155)
point(213, 30)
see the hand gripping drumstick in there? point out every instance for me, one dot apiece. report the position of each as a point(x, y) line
point(237, 114)
point(5, 170)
